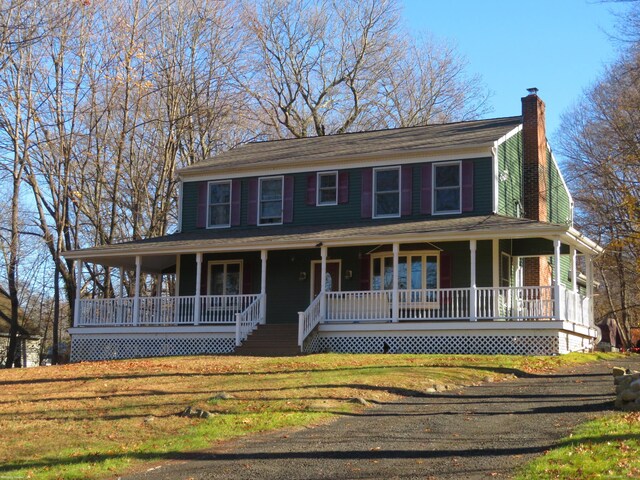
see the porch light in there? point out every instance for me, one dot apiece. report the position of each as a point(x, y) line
point(348, 274)
point(302, 276)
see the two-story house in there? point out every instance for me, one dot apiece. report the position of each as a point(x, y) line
point(453, 238)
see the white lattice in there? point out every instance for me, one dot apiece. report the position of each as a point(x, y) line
point(453, 344)
point(136, 347)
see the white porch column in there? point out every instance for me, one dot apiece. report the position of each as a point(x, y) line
point(574, 269)
point(395, 304)
point(495, 254)
point(323, 283)
point(589, 264)
point(76, 312)
point(197, 306)
point(176, 293)
point(556, 279)
point(263, 286)
point(473, 313)
point(136, 295)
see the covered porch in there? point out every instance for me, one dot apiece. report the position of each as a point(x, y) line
point(380, 283)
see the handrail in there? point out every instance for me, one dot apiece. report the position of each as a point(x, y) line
point(309, 319)
point(248, 319)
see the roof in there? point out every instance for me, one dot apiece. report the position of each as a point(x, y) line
point(383, 143)
point(160, 252)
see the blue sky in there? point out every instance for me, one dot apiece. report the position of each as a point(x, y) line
point(558, 46)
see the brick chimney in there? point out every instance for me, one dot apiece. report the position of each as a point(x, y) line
point(537, 271)
point(534, 141)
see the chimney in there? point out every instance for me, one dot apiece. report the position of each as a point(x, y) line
point(534, 142)
point(537, 271)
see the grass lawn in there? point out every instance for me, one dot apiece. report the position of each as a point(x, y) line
point(98, 419)
point(605, 448)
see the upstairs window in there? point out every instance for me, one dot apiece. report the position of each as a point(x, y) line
point(386, 192)
point(219, 205)
point(270, 205)
point(327, 188)
point(446, 188)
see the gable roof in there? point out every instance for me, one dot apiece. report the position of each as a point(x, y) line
point(383, 143)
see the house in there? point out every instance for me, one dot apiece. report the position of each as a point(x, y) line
point(453, 238)
point(28, 351)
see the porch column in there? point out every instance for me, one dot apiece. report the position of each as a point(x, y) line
point(323, 283)
point(197, 306)
point(395, 304)
point(136, 295)
point(76, 312)
point(176, 293)
point(574, 285)
point(263, 286)
point(589, 264)
point(556, 279)
point(120, 304)
point(473, 314)
point(495, 249)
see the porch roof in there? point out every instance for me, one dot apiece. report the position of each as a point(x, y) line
point(159, 253)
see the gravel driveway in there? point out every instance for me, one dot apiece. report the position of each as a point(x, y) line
point(483, 431)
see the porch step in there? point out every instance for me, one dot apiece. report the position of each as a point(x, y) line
point(271, 340)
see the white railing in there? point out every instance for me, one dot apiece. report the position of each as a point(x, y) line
point(223, 308)
point(364, 305)
point(105, 311)
point(574, 307)
point(308, 320)
point(249, 318)
point(434, 304)
point(515, 303)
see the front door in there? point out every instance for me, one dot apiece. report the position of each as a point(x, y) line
point(332, 280)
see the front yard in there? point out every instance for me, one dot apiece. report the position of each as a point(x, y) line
point(98, 419)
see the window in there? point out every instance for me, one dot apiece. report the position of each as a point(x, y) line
point(446, 188)
point(219, 211)
point(327, 188)
point(270, 204)
point(416, 271)
point(225, 278)
point(386, 192)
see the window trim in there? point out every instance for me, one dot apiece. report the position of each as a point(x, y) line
point(434, 190)
point(209, 225)
point(319, 188)
point(211, 263)
point(374, 192)
point(259, 223)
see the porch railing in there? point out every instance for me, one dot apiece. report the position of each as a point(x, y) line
point(162, 311)
point(249, 318)
point(515, 303)
point(436, 304)
point(308, 320)
point(364, 305)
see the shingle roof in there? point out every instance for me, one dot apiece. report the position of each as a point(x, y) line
point(349, 145)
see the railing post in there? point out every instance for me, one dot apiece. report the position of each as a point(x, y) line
point(473, 313)
point(238, 325)
point(300, 329)
point(198, 303)
point(76, 313)
point(589, 265)
point(395, 304)
point(556, 279)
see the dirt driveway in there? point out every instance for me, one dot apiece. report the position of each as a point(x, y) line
point(484, 431)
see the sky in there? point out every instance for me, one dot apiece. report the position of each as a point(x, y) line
point(558, 46)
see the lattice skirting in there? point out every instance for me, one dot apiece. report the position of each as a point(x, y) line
point(451, 344)
point(111, 348)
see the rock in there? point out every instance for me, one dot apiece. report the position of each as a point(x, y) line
point(430, 390)
point(618, 371)
point(360, 401)
point(223, 396)
point(191, 412)
point(634, 386)
point(488, 379)
point(628, 396)
point(149, 419)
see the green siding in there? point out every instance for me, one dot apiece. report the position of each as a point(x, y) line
point(558, 200)
point(510, 172)
point(347, 213)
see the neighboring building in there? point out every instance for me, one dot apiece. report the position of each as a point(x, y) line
point(28, 342)
point(454, 238)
